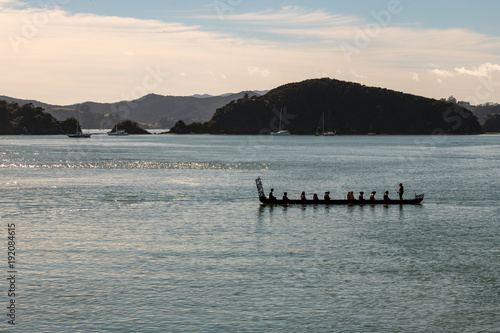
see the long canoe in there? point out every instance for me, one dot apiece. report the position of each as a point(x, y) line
point(264, 200)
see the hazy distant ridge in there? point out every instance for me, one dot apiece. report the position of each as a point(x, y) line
point(155, 110)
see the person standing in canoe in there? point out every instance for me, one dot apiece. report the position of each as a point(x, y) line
point(401, 191)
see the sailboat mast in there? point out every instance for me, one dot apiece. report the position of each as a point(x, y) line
point(77, 117)
point(323, 121)
point(281, 111)
point(117, 117)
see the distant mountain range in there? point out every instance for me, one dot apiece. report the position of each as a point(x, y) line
point(157, 111)
point(151, 111)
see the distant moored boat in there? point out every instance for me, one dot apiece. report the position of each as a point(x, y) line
point(321, 128)
point(79, 133)
point(117, 132)
point(371, 132)
point(280, 131)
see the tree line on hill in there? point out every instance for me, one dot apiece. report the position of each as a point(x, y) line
point(150, 111)
point(348, 108)
point(492, 123)
point(30, 120)
point(488, 114)
point(129, 126)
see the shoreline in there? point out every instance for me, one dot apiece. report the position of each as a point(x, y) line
point(292, 135)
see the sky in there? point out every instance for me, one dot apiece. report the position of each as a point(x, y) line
point(72, 51)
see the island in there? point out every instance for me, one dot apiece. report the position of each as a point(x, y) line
point(345, 107)
point(129, 126)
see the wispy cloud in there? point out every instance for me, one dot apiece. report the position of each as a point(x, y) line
point(483, 70)
point(58, 56)
point(442, 73)
point(295, 21)
point(390, 42)
point(255, 71)
point(11, 3)
point(293, 16)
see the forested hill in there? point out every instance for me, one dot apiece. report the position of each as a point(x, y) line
point(153, 110)
point(349, 108)
point(28, 119)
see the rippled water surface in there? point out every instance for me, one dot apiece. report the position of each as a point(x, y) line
point(164, 233)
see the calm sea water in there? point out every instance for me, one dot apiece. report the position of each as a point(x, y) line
point(164, 233)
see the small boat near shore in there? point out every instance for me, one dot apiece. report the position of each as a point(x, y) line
point(115, 131)
point(79, 133)
point(265, 200)
point(371, 133)
point(280, 131)
point(118, 133)
point(321, 128)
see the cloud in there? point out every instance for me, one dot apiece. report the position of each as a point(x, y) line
point(61, 57)
point(293, 16)
point(442, 73)
point(358, 76)
point(295, 21)
point(53, 54)
point(256, 71)
point(11, 3)
point(482, 71)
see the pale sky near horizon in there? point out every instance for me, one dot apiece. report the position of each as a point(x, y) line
point(72, 51)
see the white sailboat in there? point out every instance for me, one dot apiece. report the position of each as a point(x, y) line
point(280, 131)
point(321, 128)
point(371, 133)
point(78, 132)
point(117, 132)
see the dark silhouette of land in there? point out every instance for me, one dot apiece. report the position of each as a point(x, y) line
point(131, 127)
point(150, 111)
point(346, 107)
point(349, 108)
point(30, 120)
